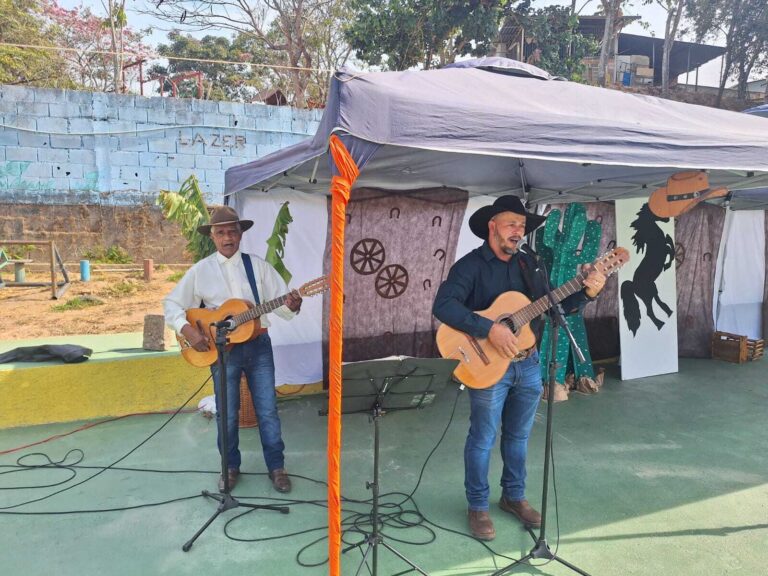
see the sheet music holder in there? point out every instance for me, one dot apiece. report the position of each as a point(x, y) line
point(375, 387)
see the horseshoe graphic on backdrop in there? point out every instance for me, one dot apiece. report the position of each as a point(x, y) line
point(367, 256)
point(391, 212)
point(439, 220)
point(427, 284)
point(679, 255)
point(392, 281)
point(440, 253)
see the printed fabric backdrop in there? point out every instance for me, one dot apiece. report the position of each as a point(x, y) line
point(399, 247)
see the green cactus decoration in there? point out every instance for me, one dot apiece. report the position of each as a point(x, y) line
point(564, 252)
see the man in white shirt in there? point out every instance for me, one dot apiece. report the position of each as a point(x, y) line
point(212, 281)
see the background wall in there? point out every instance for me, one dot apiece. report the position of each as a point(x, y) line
point(112, 154)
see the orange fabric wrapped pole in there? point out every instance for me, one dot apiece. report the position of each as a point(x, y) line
point(341, 187)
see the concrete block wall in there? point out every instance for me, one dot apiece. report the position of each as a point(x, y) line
point(66, 148)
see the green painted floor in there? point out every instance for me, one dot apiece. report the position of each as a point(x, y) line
point(663, 475)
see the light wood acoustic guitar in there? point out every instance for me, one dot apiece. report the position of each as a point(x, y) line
point(480, 364)
point(244, 315)
point(682, 193)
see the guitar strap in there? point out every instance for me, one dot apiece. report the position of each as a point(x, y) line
point(249, 272)
point(526, 273)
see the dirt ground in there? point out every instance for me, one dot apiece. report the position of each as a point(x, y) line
point(122, 300)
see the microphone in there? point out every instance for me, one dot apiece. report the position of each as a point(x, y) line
point(526, 248)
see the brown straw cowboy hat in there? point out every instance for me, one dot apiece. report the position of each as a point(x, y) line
point(478, 222)
point(224, 215)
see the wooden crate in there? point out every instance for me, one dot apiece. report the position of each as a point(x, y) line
point(754, 349)
point(736, 348)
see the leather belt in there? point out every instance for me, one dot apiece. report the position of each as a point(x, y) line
point(524, 355)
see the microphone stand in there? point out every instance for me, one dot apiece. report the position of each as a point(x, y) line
point(224, 498)
point(541, 548)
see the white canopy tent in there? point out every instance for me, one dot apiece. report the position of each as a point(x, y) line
point(492, 127)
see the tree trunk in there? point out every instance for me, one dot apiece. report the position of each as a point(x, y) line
point(670, 33)
point(728, 52)
point(611, 8)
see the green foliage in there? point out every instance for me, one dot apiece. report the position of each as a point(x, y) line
point(24, 22)
point(276, 242)
point(221, 81)
point(122, 289)
point(176, 276)
point(187, 208)
point(401, 34)
point(77, 303)
point(18, 251)
point(112, 255)
point(554, 31)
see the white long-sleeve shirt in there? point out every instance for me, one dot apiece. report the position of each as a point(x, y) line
point(215, 279)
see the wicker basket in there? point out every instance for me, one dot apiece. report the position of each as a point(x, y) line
point(247, 413)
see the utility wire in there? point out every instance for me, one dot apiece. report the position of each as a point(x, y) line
point(159, 57)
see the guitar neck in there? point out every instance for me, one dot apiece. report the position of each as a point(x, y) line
point(259, 310)
point(538, 307)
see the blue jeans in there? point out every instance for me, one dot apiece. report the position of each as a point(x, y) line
point(511, 401)
point(254, 359)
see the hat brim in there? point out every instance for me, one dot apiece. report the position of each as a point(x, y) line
point(205, 229)
point(478, 222)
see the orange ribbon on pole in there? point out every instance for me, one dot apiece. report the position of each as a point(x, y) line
point(341, 186)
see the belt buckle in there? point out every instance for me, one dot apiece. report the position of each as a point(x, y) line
point(521, 356)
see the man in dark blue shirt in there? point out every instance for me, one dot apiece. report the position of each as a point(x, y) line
point(473, 283)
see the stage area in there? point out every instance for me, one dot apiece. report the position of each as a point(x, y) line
point(663, 475)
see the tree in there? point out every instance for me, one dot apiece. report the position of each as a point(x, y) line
point(561, 49)
point(89, 40)
point(401, 34)
point(743, 24)
point(612, 11)
point(674, 10)
point(293, 35)
point(24, 22)
point(222, 81)
point(116, 22)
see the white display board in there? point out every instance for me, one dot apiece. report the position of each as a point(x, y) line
point(647, 292)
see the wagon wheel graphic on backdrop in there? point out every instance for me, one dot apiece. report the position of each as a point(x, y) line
point(367, 256)
point(392, 281)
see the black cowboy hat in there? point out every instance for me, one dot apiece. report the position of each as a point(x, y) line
point(224, 215)
point(478, 222)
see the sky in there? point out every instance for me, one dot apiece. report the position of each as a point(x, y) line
point(653, 15)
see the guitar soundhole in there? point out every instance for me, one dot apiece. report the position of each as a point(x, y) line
point(510, 322)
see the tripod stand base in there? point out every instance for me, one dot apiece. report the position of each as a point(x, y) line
point(227, 502)
point(540, 550)
point(372, 541)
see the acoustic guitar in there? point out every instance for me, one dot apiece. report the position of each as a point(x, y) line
point(480, 364)
point(244, 316)
point(682, 193)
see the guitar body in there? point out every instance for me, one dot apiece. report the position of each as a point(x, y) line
point(480, 364)
point(202, 318)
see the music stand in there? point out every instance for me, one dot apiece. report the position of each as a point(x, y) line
point(224, 498)
point(376, 387)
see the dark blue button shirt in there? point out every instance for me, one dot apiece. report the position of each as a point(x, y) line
point(477, 279)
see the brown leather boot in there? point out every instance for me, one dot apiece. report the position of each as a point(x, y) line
point(233, 474)
point(481, 525)
point(524, 512)
point(280, 480)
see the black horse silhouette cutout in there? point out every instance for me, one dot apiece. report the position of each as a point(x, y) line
point(659, 255)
